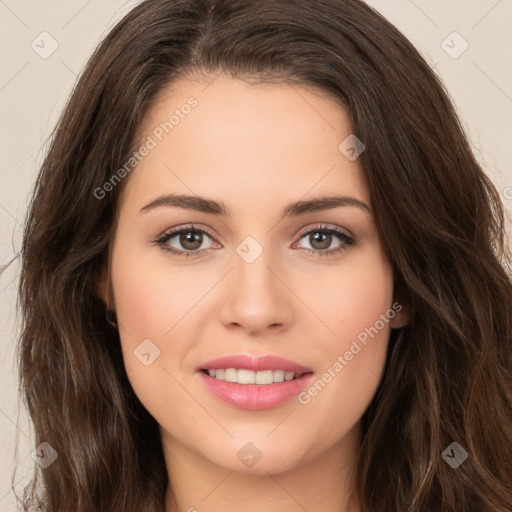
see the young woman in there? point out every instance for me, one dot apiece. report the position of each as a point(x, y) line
point(262, 270)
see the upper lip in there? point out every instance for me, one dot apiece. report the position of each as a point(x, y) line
point(245, 362)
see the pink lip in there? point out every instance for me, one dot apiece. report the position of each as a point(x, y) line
point(245, 362)
point(255, 396)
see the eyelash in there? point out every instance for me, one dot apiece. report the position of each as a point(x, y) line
point(346, 239)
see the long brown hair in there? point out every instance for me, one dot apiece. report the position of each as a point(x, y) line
point(448, 374)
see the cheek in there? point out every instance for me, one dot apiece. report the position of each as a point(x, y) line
point(151, 297)
point(352, 297)
point(357, 308)
point(151, 304)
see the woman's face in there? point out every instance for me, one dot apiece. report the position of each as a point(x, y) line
point(262, 279)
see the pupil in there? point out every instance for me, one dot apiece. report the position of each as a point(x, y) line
point(323, 238)
point(189, 240)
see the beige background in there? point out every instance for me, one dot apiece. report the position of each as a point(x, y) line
point(33, 91)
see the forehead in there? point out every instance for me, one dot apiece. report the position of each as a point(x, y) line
point(230, 137)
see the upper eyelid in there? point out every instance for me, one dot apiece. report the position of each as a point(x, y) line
point(170, 233)
point(324, 227)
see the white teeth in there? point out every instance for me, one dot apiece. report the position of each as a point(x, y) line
point(230, 375)
point(245, 377)
point(279, 376)
point(250, 377)
point(264, 377)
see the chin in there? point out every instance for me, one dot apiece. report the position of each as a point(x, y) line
point(259, 457)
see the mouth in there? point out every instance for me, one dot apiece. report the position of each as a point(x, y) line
point(245, 377)
point(251, 383)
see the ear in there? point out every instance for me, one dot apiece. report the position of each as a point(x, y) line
point(402, 315)
point(401, 306)
point(104, 289)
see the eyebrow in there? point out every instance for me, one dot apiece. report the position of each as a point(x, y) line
point(204, 205)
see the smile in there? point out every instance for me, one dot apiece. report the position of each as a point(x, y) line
point(242, 376)
point(254, 383)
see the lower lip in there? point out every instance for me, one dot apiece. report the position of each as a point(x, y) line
point(255, 396)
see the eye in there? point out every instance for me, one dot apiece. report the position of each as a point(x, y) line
point(321, 237)
point(191, 240)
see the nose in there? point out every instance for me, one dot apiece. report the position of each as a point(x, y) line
point(257, 296)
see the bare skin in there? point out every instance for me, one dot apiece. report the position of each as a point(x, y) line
point(256, 148)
